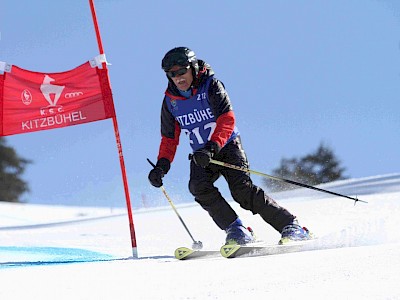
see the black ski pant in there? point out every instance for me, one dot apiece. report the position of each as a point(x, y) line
point(243, 191)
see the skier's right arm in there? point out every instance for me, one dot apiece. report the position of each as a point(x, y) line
point(170, 131)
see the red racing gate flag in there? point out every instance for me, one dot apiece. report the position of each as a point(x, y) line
point(33, 101)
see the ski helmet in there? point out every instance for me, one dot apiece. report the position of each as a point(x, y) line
point(181, 56)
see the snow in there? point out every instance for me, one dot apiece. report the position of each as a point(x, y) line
point(59, 252)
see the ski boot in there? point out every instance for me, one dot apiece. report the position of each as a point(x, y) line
point(294, 233)
point(236, 233)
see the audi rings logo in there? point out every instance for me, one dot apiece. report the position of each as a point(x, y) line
point(73, 95)
point(26, 97)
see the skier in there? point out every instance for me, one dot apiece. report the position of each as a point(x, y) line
point(197, 104)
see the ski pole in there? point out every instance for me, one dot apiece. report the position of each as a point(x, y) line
point(216, 162)
point(196, 244)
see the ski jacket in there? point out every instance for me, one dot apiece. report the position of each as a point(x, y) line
point(206, 116)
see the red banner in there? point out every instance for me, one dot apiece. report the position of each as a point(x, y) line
point(32, 101)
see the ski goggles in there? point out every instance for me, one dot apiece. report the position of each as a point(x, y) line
point(180, 72)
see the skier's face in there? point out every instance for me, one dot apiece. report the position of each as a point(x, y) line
point(181, 76)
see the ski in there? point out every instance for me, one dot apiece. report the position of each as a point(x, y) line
point(235, 250)
point(183, 253)
point(255, 249)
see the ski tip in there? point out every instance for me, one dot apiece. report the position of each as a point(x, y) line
point(183, 252)
point(229, 250)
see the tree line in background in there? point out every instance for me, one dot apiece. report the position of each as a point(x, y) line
point(12, 166)
point(321, 166)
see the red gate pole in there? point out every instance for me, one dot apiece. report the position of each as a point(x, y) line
point(118, 140)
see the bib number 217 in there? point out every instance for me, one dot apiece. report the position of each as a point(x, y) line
point(200, 133)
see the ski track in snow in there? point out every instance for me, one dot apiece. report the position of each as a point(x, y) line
point(55, 252)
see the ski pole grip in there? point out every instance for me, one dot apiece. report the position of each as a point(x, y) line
point(150, 162)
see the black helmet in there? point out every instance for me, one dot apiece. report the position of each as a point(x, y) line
point(181, 56)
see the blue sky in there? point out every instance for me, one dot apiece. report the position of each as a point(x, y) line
point(298, 73)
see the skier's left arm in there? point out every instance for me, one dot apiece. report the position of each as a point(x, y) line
point(223, 112)
point(225, 124)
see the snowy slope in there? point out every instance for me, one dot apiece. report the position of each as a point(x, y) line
point(53, 252)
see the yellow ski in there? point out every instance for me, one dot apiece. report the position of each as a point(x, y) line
point(183, 253)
